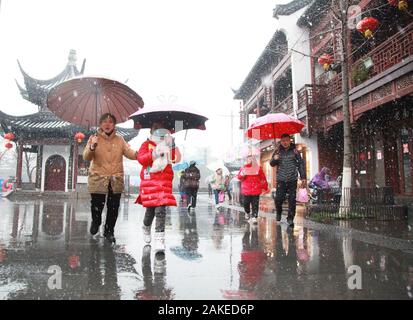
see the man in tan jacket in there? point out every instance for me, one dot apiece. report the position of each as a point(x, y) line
point(105, 150)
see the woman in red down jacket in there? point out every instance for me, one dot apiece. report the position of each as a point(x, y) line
point(253, 183)
point(155, 191)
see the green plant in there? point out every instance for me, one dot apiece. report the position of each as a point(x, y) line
point(360, 74)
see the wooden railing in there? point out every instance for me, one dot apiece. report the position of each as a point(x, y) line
point(285, 106)
point(387, 54)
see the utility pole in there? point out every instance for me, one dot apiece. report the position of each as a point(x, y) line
point(347, 141)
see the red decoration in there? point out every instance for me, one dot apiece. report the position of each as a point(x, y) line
point(325, 60)
point(401, 4)
point(9, 136)
point(9, 145)
point(74, 261)
point(367, 26)
point(79, 137)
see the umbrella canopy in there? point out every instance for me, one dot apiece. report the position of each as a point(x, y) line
point(83, 100)
point(176, 118)
point(273, 125)
point(213, 166)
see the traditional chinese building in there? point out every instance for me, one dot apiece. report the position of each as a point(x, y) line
point(59, 161)
point(273, 82)
point(381, 93)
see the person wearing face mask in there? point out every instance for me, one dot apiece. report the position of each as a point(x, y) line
point(155, 192)
point(253, 184)
point(106, 150)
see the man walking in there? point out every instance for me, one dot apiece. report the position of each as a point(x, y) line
point(191, 184)
point(288, 160)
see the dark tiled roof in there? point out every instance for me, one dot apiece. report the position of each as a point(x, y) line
point(289, 8)
point(45, 124)
point(270, 57)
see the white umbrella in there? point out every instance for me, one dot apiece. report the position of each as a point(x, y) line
point(213, 166)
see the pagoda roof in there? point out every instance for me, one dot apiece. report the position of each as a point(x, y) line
point(35, 90)
point(44, 124)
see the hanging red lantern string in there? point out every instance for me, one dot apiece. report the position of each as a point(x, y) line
point(367, 26)
point(79, 137)
point(325, 60)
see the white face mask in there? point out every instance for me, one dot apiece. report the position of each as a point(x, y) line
point(159, 135)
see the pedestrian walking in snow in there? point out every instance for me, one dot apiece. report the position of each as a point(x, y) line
point(288, 161)
point(156, 185)
point(191, 184)
point(253, 184)
point(106, 150)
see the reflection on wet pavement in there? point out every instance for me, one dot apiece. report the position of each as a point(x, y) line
point(46, 252)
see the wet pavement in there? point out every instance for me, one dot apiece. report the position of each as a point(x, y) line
point(46, 252)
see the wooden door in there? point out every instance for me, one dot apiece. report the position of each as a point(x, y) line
point(55, 175)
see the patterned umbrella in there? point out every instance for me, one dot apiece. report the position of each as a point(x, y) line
point(83, 100)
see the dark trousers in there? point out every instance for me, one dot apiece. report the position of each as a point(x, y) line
point(159, 213)
point(192, 194)
point(112, 204)
point(229, 194)
point(284, 187)
point(254, 202)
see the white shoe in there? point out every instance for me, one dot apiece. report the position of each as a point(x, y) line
point(254, 220)
point(159, 240)
point(146, 234)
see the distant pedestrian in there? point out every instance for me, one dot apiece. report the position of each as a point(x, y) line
point(191, 184)
point(218, 186)
point(228, 188)
point(288, 161)
point(253, 184)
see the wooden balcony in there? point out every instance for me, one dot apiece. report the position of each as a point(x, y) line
point(389, 53)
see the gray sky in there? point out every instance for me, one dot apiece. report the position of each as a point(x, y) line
point(192, 50)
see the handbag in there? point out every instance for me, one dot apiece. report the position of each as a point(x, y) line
point(302, 195)
point(221, 196)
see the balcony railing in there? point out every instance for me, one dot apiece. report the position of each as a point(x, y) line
point(385, 55)
point(285, 106)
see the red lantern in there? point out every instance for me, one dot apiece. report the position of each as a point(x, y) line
point(9, 145)
point(9, 136)
point(367, 26)
point(79, 137)
point(401, 4)
point(325, 60)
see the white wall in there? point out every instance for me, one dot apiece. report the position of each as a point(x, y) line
point(48, 151)
point(298, 39)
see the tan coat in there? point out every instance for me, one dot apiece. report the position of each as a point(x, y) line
point(107, 162)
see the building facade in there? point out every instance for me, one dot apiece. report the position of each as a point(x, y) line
point(272, 85)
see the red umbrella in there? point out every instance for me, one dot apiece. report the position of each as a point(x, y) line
point(273, 125)
point(83, 100)
point(176, 118)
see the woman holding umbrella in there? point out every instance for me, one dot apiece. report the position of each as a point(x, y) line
point(105, 182)
point(156, 182)
point(253, 184)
